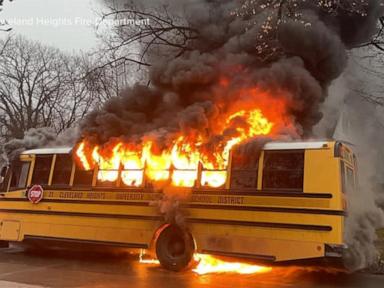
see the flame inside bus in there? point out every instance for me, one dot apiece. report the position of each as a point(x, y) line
point(187, 158)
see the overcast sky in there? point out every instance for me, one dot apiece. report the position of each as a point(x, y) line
point(66, 24)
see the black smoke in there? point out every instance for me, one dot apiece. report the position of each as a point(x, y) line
point(251, 43)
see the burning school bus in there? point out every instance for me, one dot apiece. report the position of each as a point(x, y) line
point(284, 203)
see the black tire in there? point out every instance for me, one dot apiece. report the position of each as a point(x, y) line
point(175, 248)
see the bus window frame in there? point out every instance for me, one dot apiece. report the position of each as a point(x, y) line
point(98, 184)
point(255, 169)
point(344, 166)
point(8, 186)
point(50, 169)
point(121, 181)
point(104, 184)
point(262, 161)
point(345, 154)
point(82, 187)
point(225, 185)
point(53, 171)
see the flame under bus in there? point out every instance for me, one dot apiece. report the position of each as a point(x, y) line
point(285, 204)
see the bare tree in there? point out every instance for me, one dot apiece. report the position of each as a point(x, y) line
point(161, 27)
point(369, 61)
point(39, 86)
point(155, 27)
point(101, 79)
point(139, 31)
point(378, 41)
point(368, 72)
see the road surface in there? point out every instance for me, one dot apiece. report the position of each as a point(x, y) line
point(59, 269)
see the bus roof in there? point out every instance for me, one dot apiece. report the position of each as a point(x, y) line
point(293, 145)
point(268, 146)
point(51, 150)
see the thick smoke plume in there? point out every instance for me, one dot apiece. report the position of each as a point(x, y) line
point(350, 117)
point(294, 60)
point(359, 124)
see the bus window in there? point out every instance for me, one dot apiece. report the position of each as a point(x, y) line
point(132, 178)
point(348, 178)
point(62, 170)
point(244, 170)
point(107, 178)
point(19, 175)
point(42, 169)
point(83, 177)
point(283, 170)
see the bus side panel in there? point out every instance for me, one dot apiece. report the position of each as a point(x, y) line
point(129, 232)
point(322, 175)
point(270, 243)
point(9, 230)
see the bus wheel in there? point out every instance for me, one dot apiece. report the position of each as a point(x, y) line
point(175, 248)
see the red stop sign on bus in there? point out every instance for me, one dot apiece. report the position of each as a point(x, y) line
point(35, 194)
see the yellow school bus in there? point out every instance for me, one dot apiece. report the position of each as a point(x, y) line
point(285, 203)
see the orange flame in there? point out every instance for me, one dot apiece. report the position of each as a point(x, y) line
point(80, 153)
point(186, 161)
point(108, 167)
point(207, 264)
point(132, 174)
point(189, 158)
point(145, 260)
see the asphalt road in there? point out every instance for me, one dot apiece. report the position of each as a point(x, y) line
point(26, 269)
